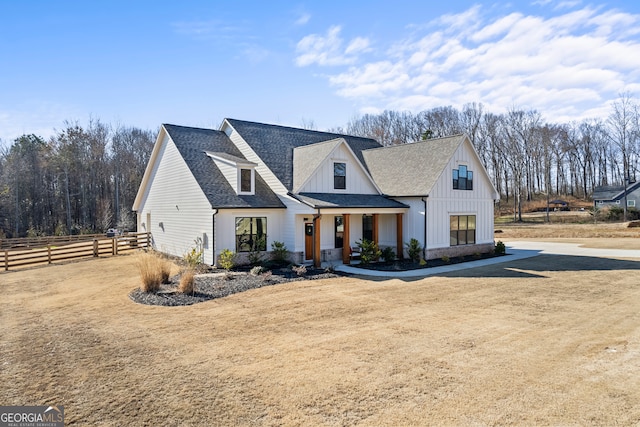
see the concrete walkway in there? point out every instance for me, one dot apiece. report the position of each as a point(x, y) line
point(516, 250)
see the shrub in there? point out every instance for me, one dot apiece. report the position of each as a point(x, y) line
point(279, 252)
point(187, 282)
point(414, 250)
point(299, 270)
point(193, 257)
point(445, 259)
point(368, 251)
point(266, 276)
point(615, 213)
point(227, 259)
point(500, 248)
point(388, 255)
point(423, 262)
point(164, 265)
point(150, 273)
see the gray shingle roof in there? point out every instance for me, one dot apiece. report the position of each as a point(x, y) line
point(327, 200)
point(263, 137)
point(193, 143)
point(616, 192)
point(411, 169)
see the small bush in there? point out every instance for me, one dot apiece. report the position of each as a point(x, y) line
point(187, 282)
point(150, 272)
point(500, 248)
point(300, 270)
point(266, 276)
point(414, 250)
point(388, 255)
point(445, 259)
point(165, 269)
point(193, 257)
point(477, 255)
point(227, 259)
point(369, 251)
point(423, 262)
point(257, 270)
point(279, 252)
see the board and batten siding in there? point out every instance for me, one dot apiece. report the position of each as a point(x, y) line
point(444, 201)
point(180, 212)
point(357, 181)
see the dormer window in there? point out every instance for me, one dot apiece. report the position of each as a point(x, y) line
point(339, 176)
point(239, 172)
point(246, 178)
point(246, 181)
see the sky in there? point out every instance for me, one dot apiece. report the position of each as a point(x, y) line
point(321, 63)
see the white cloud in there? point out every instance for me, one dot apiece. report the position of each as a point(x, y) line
point(303, 19)
point(327, 50)
point(568, 64)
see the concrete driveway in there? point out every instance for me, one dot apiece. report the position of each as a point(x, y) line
point(516, 250)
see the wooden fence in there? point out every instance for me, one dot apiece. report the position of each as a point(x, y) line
point(29, 253)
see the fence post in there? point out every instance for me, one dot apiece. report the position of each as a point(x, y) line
point(114, 246)
point(49, 252)
point(95, 248)
point(6, 260)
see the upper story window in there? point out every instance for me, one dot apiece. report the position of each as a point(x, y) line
point(339, 176)
point(462, 178)
point(246, 181)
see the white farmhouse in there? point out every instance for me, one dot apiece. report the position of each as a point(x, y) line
point(250, 184)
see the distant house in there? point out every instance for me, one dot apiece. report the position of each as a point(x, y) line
point(614, 196)
point(248, 184)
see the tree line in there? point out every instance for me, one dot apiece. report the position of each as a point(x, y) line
point(525, 155)
point(84, 179)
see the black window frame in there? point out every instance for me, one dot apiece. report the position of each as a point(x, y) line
point(460, 232)
point(256, 238)
point(339, 176)
point(462, 178)
point(367, 227)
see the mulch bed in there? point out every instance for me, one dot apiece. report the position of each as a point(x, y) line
point(219, 285)
point(406, 264)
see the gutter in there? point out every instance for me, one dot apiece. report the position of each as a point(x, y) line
point(424, 247)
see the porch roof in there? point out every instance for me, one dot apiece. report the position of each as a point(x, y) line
point(329, 200)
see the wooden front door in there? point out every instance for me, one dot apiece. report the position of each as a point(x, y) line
point(308, 240)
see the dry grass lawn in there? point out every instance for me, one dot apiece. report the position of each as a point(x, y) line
point(550, 340)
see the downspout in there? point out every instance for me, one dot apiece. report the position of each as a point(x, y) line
point(213, 236)
point(424, 247)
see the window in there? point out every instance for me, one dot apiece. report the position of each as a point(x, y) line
point(251, 234)
point(339, 228)
point(462, 229)
point(245, 181)
point(340, 176)
point(631, 203)
point(367, 227)
point(462, 178)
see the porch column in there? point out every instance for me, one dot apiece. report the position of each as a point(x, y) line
point(316, 241)
point(399, 239)
point(375, 228)
point(346, 240)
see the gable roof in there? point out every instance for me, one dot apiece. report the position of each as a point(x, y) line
point(262, 138)
point(411, 169)
point(613, 192)
point(194, 144)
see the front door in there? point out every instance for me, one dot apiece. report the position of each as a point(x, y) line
point(308, 241)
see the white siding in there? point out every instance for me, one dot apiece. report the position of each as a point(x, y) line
point(180, 212)
point(357, 181)
point(230, 173)
point(445, 201)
